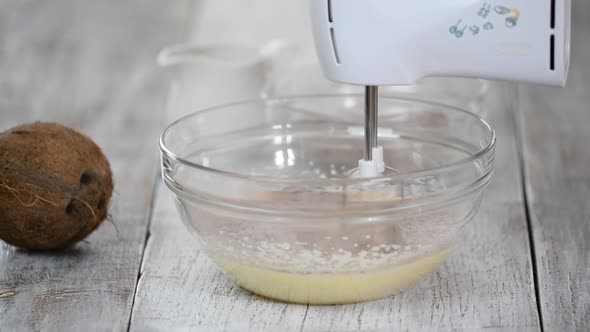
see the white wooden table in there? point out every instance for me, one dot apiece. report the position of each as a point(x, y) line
point(525, 264)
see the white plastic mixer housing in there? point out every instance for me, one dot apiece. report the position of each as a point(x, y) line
point(395, 42)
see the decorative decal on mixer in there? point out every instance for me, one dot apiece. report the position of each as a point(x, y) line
point(489, 12)
point(502, 10)
point(455, 30)
point(484, 11)
point(512, 20)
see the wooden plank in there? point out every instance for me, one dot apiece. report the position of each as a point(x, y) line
point(89, 65)
point(486, 284)
point(554, 126)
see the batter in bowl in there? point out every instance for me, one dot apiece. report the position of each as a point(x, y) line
point(332, 288)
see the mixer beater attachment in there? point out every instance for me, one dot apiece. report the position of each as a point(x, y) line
point(372, 165)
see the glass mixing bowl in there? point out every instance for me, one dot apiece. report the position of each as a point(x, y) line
point(275, 202)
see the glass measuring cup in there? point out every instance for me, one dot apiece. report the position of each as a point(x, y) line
point(208, 75)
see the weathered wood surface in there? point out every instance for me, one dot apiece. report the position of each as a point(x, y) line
point(555, 127)
point(90, 65)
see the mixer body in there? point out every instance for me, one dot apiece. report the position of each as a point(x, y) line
point(394, 42)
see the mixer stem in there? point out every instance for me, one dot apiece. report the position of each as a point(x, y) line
point(372, 164)
point(371, 120)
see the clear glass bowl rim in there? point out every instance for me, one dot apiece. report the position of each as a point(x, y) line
point(169, 154)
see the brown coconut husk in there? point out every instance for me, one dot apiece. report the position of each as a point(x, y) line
point(55, 186)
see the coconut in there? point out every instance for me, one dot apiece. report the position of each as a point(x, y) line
point(55, 186)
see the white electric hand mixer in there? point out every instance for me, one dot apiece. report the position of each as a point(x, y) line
point(394, 42)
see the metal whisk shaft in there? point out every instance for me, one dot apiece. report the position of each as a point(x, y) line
point(371, 120)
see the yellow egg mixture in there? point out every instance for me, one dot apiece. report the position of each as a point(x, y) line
point(336, 288)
